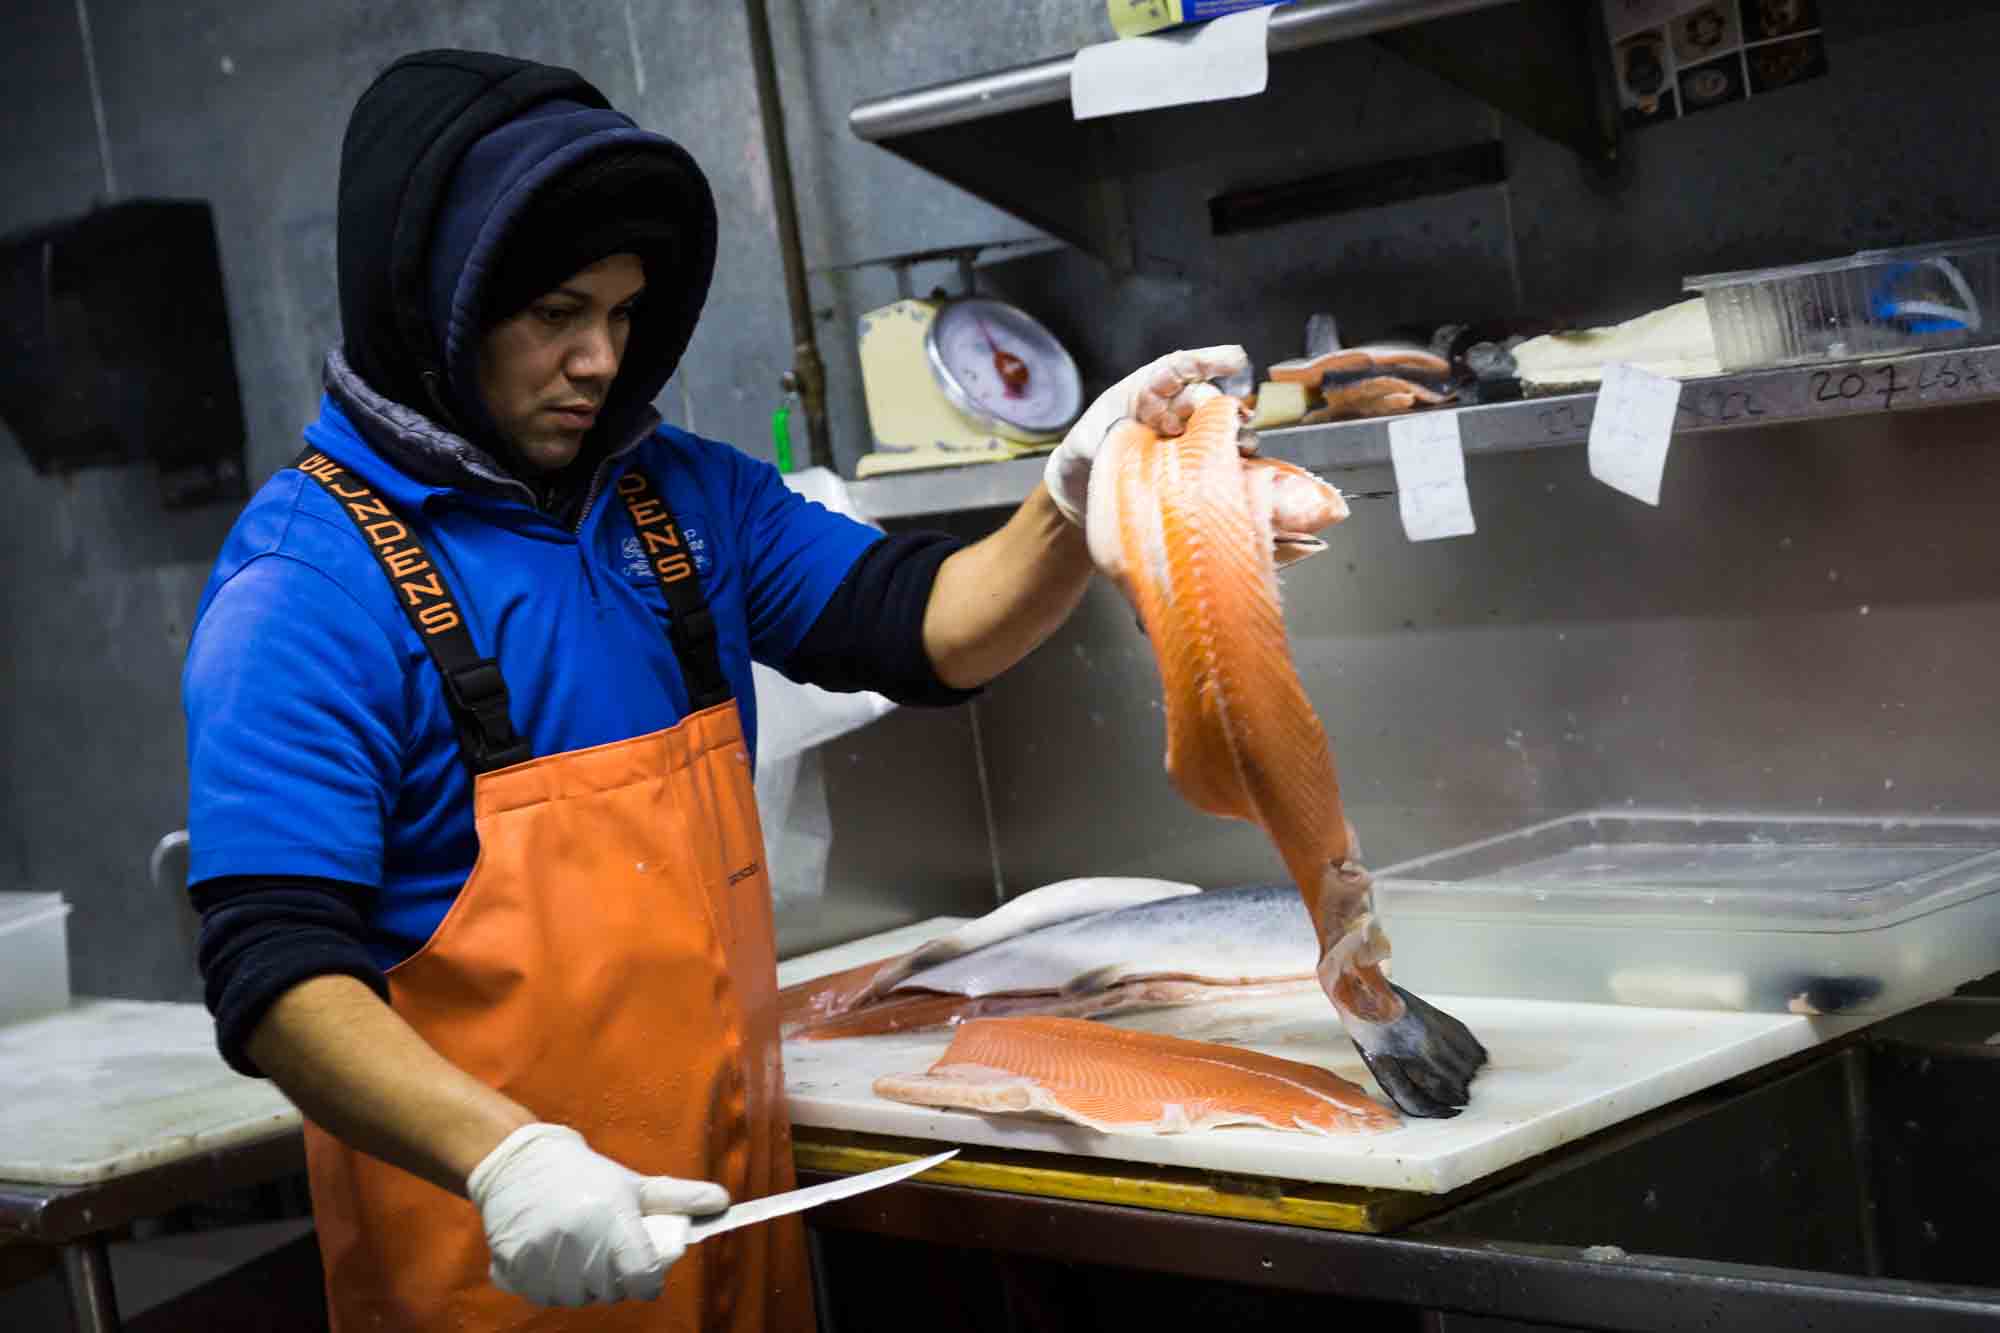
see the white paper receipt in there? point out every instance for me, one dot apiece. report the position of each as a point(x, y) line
point(1430, 475)
point(1631, 428)
point(1226, 57)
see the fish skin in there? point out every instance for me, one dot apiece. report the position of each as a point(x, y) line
point(1172, 523)
point(1224, 935)
point(1186, 949)
point(1310, 370)
point(1119, 1081)
point(824, 998)
point(1331, 369)
point(1406, 359)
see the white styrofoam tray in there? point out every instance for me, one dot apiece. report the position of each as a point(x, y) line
point(1559, 1071)
point(110, 1087)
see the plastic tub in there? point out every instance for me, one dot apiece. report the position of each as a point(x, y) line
point(1751, 912)
point(1874, 303)
point(34, 955)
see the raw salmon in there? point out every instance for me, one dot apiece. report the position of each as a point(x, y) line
point(1411, 363)
point(1181, 529)
point(1310, 370)
point(1375, 396)
point(1192, 948)
point(1378, 380)
point(912, 1010)
point(811, 1005)
point(1120, 1081)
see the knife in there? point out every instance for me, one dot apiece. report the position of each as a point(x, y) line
point(673, 1232)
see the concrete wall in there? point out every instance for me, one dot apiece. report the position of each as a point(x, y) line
point(1807, 623)
point(243, 104)
point(1576, 651)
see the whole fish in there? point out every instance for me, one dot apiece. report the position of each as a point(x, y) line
point(1185, 529)
point(1177, 949)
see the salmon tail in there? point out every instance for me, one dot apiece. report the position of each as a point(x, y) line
point(1423, 1058)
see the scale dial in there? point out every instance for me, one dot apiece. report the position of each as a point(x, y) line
point(999, 366)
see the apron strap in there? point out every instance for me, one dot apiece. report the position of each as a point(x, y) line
point(692, 629)
point(473, 689)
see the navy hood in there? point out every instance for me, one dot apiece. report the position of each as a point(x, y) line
point(442, 155)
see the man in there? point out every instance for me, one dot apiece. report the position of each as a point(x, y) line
point(470, 724)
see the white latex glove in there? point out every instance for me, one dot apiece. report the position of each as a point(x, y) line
point(562, 1221)
point(1154, 395)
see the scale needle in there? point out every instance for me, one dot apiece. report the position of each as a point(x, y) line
point(1013, 370)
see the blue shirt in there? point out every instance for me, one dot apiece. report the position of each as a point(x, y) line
point(319, 740)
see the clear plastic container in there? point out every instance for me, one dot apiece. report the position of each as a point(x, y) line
point(1754, 912)
point(34, 955)
point(1875, 303)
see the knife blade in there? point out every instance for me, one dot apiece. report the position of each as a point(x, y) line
point(667, 1232)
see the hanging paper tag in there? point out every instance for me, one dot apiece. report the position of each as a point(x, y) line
point(1631, 428)
point(1222, 59)
point(1430, 475)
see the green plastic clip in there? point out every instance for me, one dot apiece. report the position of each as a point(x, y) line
point(781, 437)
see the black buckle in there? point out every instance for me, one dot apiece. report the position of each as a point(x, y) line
point(477, 686)
point(479, 696)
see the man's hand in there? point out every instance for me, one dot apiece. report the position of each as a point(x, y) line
point(562, 1221)
point(1154, 395)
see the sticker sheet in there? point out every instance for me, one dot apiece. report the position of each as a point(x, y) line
point(1675, 58)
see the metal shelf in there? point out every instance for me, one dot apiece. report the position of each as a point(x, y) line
point(1734, 401)
point(1293, 27)
point(1008, 136)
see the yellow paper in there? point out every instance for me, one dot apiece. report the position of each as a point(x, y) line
point(1135, 18)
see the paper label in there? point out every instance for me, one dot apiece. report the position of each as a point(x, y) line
point(1226, 58)
point(1430, 476)
point(1631, 428)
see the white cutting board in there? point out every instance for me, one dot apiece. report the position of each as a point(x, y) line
point(1559, 1071)
point(109, 1087)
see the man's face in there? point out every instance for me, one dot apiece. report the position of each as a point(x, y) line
point(544, 373)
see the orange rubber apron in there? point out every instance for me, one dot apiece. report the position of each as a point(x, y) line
point(610, 966)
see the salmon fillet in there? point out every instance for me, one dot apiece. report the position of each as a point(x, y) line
point(1310, 370)
point(1124, 1082)
point(1171, 520)
point(1376, 396)
point(1183, 527)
